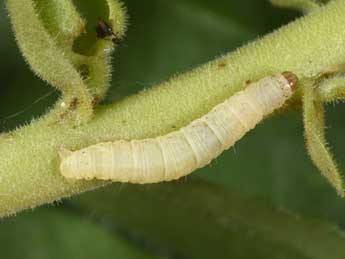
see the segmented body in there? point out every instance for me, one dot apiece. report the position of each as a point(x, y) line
point(180, 152)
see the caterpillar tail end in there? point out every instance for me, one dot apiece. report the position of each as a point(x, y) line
point(64, 154)
point(65, 163)
point(292, 79)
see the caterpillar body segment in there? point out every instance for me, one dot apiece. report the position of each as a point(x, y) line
point(180, 152)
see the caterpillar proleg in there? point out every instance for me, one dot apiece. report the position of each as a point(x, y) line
point(180, 152)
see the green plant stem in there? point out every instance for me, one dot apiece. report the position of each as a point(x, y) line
point(332, 89)
point(29, 173)
point(40, 48)
point(316, 144)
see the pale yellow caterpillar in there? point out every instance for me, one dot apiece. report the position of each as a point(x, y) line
point(180, 152)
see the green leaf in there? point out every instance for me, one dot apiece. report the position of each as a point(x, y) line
point(314, 126)
point(50, 233)
point(193, 219)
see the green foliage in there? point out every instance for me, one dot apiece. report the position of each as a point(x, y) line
point(170, 220)
point(200, 220)
point(57, 234)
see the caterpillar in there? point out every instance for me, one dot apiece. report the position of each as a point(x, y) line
point(180, 152)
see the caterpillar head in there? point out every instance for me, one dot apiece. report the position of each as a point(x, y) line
point(291, 78)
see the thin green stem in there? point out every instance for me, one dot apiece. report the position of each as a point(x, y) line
point(332, 89)
point(314, 126)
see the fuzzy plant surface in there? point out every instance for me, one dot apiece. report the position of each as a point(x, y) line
point(62, 49)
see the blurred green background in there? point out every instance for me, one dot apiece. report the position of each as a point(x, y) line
point(261, 199)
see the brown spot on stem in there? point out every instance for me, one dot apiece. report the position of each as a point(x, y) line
point(73, 104)
point(95, 101)
point(248, 82)
point(221, 65)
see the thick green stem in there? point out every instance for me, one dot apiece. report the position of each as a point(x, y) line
point(29, 174)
